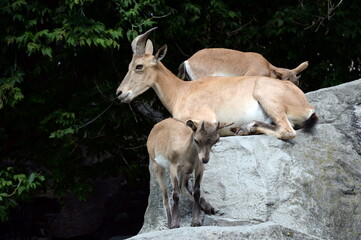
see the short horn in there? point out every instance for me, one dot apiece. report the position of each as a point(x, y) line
point(300, 68)
point(138, 44)
point(202, 127)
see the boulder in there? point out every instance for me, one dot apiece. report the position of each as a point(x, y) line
point(265, 188)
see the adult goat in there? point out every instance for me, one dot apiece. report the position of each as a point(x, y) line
point(252, 103)
point(227, 62)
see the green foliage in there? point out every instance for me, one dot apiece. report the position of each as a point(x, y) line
point(14, 187)
point(286, 33)
point(61, 62)
point(58, 73)
point(40, 28)
point(9, 94)
point(63, 120)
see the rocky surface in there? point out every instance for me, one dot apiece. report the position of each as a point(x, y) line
point(264, 188)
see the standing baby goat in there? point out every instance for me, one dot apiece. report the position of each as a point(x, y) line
point(182, 148)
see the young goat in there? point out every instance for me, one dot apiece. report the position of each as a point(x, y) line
point(182, 148)
point(227, 62)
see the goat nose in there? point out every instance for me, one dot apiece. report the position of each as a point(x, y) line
point(118, 93)
point(205, 160)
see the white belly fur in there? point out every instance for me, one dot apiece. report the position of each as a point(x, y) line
point(221, 74)
point(245, 114)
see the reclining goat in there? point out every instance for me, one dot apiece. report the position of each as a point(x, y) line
point(227, 62)
point(256, 104)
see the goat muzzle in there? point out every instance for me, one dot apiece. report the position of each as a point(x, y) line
point(124, 97)
point(205, 160)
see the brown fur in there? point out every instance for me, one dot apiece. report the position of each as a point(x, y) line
point(227, 62)
point(184, 148)
point(241, 100)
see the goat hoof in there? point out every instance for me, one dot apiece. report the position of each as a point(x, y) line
point(174, 226)
point(206, 207)
point(209, 210)
point(239, 131)
point(196, 224)
point(234, 130)
point(213, 211)
point(288, 136)
point(244, 130)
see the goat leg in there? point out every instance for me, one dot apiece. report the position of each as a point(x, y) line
point(196, 221)
point(175, 209)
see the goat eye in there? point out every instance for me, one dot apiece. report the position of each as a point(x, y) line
point(139, 67)
point(196, 141)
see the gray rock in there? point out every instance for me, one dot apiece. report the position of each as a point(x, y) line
point(256, 232)
point(265, 188)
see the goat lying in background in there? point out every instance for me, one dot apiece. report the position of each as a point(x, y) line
point(231, 63)
point(250, 102)
point(183, 149)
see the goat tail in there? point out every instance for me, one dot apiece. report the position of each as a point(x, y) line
point(308, 125)
point(182, 74)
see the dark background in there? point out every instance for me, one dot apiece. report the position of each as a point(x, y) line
point(72, 156)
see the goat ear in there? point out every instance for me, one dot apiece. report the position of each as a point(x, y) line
point(149, 47)
point(193, 125)
point(161, 53)
point(277, 73)
point(300, 68)
point(223, 125)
